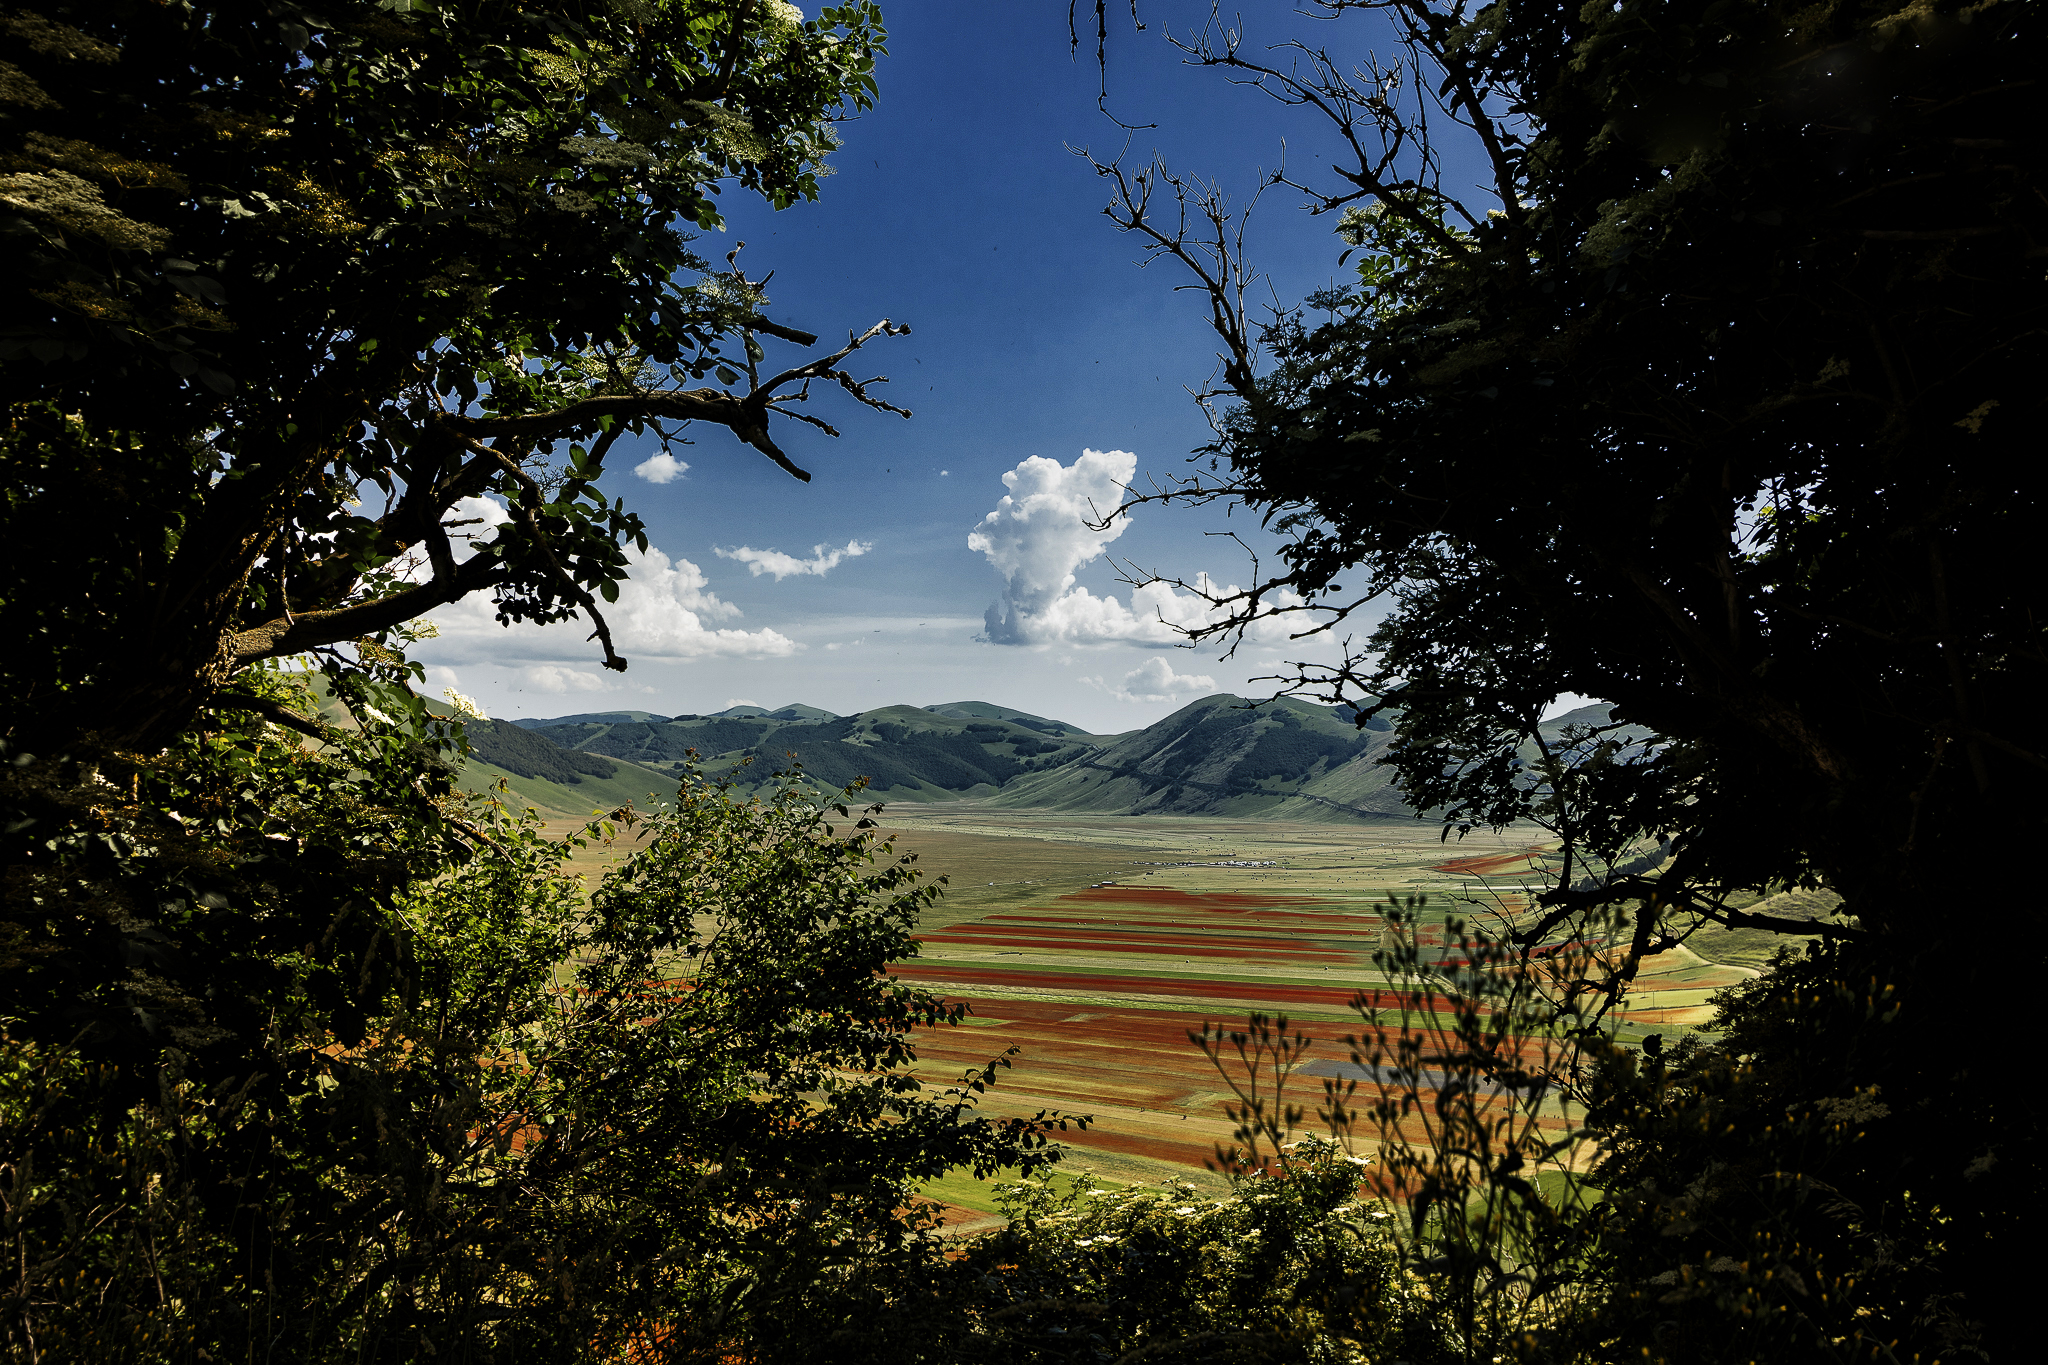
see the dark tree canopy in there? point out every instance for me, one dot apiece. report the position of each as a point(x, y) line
point(1721, 414)
point(267, 260)
point(1721, 403)
point(292, 1063)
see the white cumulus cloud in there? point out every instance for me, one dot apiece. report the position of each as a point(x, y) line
point(662, 468)
point(1041, 533)
point(553, 678)
point(1155, 680)
point(472, 521)
point(666, 610)
point(783, 566)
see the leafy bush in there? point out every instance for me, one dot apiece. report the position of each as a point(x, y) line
point(1791, 1189)
point(551, 1129)
point(1292, 1266)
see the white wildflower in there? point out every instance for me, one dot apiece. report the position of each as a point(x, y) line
point(77, 204)
point(602, 151)
point(465, 707)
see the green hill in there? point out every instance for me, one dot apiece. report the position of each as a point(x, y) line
point(1218, 756)
point(1283, 759)
point(793, 711)
point(529, 723)
point(1286, 759)
point(590, 796)
point(907, 752)
point(983, 710)
point(558, 782)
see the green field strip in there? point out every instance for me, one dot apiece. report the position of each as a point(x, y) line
point(964, 1189)
point(1100, 967)
point(1175, 1004)
point(1247, 990)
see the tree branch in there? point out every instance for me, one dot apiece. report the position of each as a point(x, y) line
point(275, 712)
point(305, 630)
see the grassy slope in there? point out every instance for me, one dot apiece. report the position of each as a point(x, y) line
point(986, 710)
point(1191, 763)
point(555, 800)
point(593, 795)
point(1201, 761)
point(600, 717)
point(722, 744)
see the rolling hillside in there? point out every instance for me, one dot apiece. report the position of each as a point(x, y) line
point(537, 772)
point(556, 781)
point(558, 801)
point(1285, 759)
point(982, 710)
point(598, 716)
point(908, 753)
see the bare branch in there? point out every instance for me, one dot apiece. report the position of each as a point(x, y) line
point(776, 329)
point(824, 366)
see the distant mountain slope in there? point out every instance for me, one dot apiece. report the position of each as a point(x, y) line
point(557, 781)
point(529, 754)
point(1218, 756)
point(794, 711)
point(983, 710)
point(592, 795)
point(906, 752)
point(536, 771)
point(1283, 759)
point(600, 717)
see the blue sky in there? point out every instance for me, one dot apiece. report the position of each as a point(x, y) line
point(958, 208)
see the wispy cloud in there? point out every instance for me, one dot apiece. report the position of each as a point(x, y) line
point(821, 562)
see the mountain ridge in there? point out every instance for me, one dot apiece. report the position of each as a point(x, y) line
point(1221, 755)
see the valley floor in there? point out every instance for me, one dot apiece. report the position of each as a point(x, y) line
point(1094, 944)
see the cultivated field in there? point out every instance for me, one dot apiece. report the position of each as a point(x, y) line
point(1094, 944)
